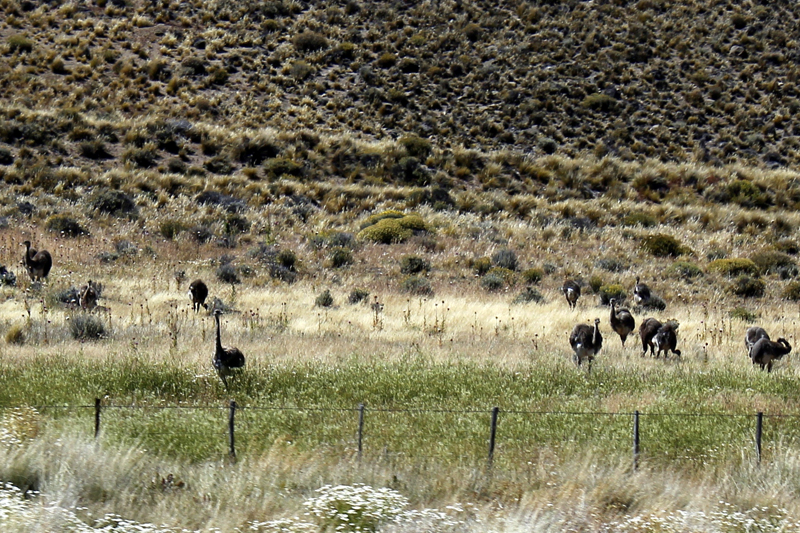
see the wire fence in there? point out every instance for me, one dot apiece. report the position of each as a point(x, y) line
point(471, 436)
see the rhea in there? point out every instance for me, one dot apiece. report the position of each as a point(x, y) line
point(641, 293)
point(586, 341)
point(226, 358)
point(765, 351)
point(753, 335)
point(37, 263)
point(572, 291)
point(647, 332)
point(198, 292)
point(88, 296)
point(666, 339)
point(621, 321)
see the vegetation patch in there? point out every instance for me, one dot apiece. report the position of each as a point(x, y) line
point(733, 267)
point(748, 287)
point(389, 228)
point(609, 292)
point(662, 245)
point(65, 225)
point(684, 270)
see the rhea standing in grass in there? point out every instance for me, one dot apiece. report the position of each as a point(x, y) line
point(621, 321)
point(227, 359)
point(586, 341)
point(198, 292)
point(37, 263)
point(572, 291)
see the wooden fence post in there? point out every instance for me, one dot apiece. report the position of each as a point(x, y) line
point(360, 430)
point(230, 429)
point(759, 428)
point(96, 418)
point(493, 434)
point(635, 440)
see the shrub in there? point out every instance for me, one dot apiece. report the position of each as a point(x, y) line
point(357, 296)
point(528, 295)
point(482, 265)
point(473, 32)
point(639, 219)
point(748, 287)
point(770, 261)
point(227, 273)
point(145, 157)
point(733, 267)
point(417, 286)
point(387, 231)
point(254, 151)
point(193, 66)
point(6, 157)
point(416, 146)
point(86, 327)
point(746, 194)
point(413, 264)
point(65, 225)
point(792, 291)
point(387, 60)
point(15, 334)
point(532, 276)
point(596, 282)
point(740, 313)
point(607, 292)
point(374, 219)
point(7, 277)
point(655, 303)
point(112, 202)
point(309, 41)
point(95, 149)
point(277, 167)
point(787, 246)
point(217, 76)
point(287, 259)
point(662, 245)
point(169, 229)
point(219, 164)
point(505, 258)
point(324, 300)
point(391, 229)
point(409, 170)
point(18, 43)
point(300, 70)
point(492, 282)
point(611, 264)
point(201, 234)
point(684, 270)
point(599, 102)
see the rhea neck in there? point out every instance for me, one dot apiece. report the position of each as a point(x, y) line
point(219, 340)
point(595, 333)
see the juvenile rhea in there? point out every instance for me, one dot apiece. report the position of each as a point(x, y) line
point(586, 341)
point(226, 358)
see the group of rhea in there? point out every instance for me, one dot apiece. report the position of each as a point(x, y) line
point(658, 338)
point(227, 359)
point(586, 341)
